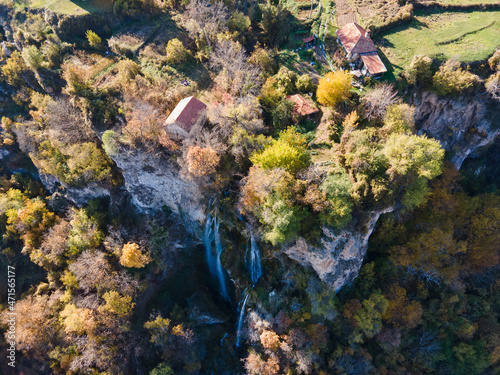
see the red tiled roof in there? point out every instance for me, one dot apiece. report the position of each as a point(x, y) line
point(186, 113)
point(309, 39)
point(354, 39)
point(373, 63)
point(303, 106)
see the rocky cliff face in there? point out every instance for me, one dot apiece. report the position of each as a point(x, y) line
point(338, 260)
point(462, 125)
point(153, 182)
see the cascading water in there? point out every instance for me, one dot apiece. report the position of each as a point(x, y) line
point(211, 234)
point(240, 321)
point(254, 260)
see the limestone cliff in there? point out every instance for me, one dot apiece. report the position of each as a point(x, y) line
point(461, 124)
point(338, 260)
point(155, 181)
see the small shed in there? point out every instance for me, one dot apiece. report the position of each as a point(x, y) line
point(188, 113)
point(309, 41)
point(303, 107)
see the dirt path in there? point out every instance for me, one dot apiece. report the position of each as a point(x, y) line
point(345, 13)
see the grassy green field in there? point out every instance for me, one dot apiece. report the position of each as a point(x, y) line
point(76, 7)
point(467, 36)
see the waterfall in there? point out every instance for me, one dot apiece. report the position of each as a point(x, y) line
point(254, 260)
point(211, 234)
point(240, 321)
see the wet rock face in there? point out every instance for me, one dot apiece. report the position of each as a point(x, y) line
point(462, 125)
point(153, 182)
point(338, 261)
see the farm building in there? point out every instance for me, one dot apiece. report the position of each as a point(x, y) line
point(303, 107)
point(188, 113)
point(360, 49)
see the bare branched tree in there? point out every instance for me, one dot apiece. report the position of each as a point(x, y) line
point(241, 78)
point(379, 99)
point(206, 19)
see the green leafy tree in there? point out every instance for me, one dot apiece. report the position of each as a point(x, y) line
point(288, 151)
point(410, 153)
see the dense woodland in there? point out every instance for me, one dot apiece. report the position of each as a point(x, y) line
point(103, 287)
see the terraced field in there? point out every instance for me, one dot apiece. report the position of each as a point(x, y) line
point(467, 36)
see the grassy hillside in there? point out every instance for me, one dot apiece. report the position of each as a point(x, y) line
point(75, 7)
point(468, 36)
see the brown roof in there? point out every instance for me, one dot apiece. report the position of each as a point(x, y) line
point(354, 39)
point(373, 63)
point(303, 106)
point(186, 113)
point(309, 39)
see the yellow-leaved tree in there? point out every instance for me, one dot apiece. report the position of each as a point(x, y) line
point(334, 87)
point(133, 257)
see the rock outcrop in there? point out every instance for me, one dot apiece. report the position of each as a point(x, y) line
point(153, 182)
point(338, 260)
point(462, 124)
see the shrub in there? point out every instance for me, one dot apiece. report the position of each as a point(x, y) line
point(493, 85)
point(32, 57)
point(494, 61)
point(128, 70)
point(451, 79)
point(419, 70)
point(176, 53)
point(109, 142)
point(304, 83)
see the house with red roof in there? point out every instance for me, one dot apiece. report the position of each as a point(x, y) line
point(188, 113)
point(303, 107)
point(360, 50)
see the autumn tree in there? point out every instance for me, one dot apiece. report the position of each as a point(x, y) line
point(202, 161)
point(121, 306)
point(400, 311)
point(36, 326)
point(334, 88)
point(132, 256)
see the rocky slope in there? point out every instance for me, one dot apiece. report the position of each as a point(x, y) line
point(462, 124)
